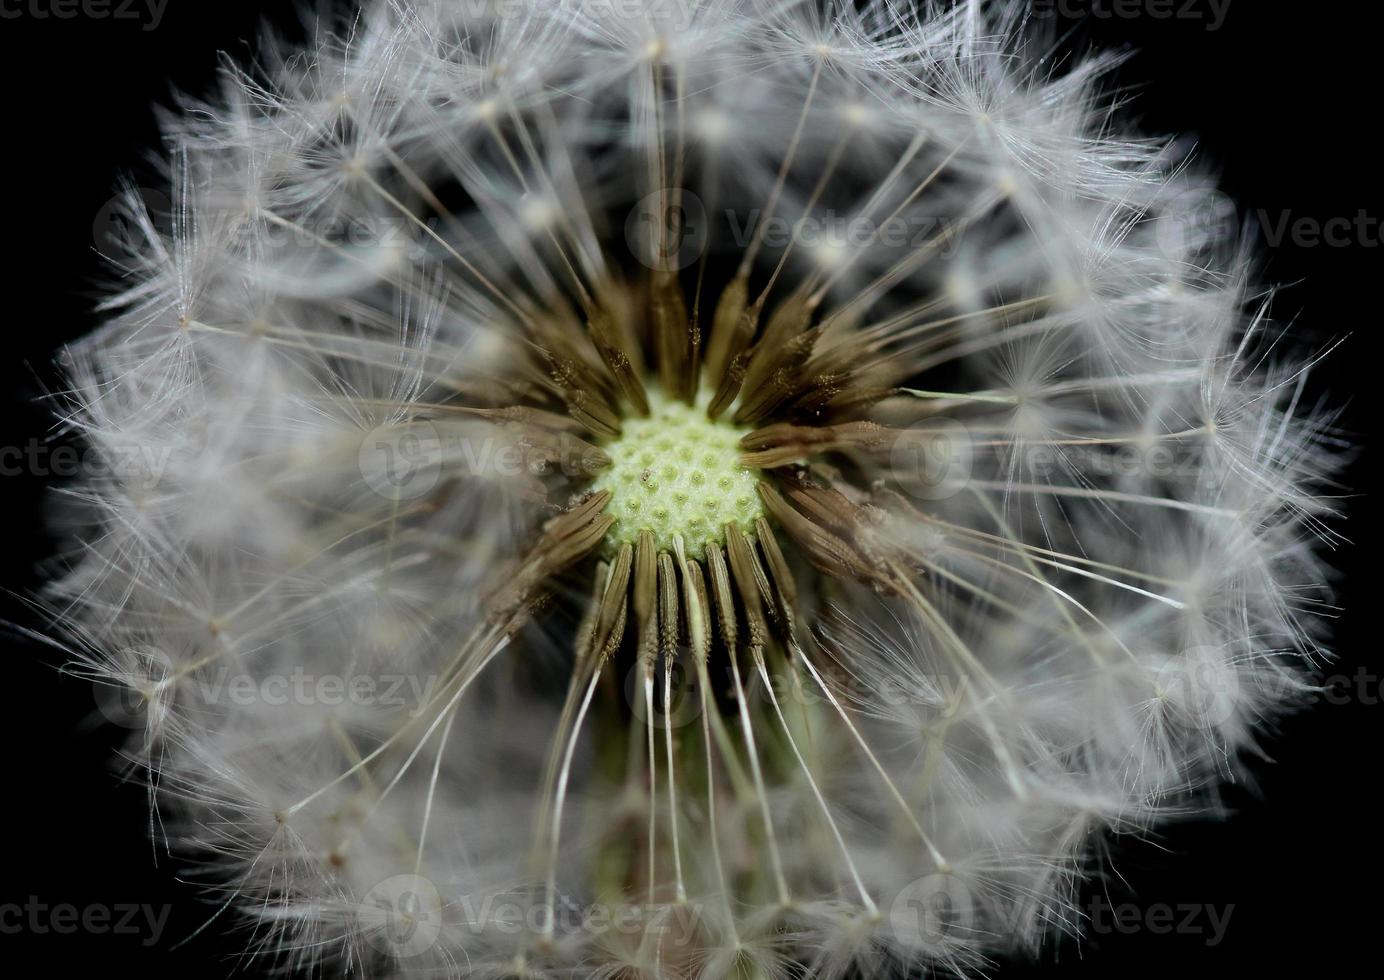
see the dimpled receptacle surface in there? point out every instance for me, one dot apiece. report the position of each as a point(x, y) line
point(678, 473)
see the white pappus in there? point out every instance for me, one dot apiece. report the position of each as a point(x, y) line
point(683, 488)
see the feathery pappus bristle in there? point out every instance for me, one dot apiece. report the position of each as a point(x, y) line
point(683, 489)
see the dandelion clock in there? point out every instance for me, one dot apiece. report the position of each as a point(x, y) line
point(682, 489)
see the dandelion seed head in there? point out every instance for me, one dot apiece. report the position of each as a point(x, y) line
point(684, 490)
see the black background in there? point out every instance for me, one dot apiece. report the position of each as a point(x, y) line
point(1284, 100)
